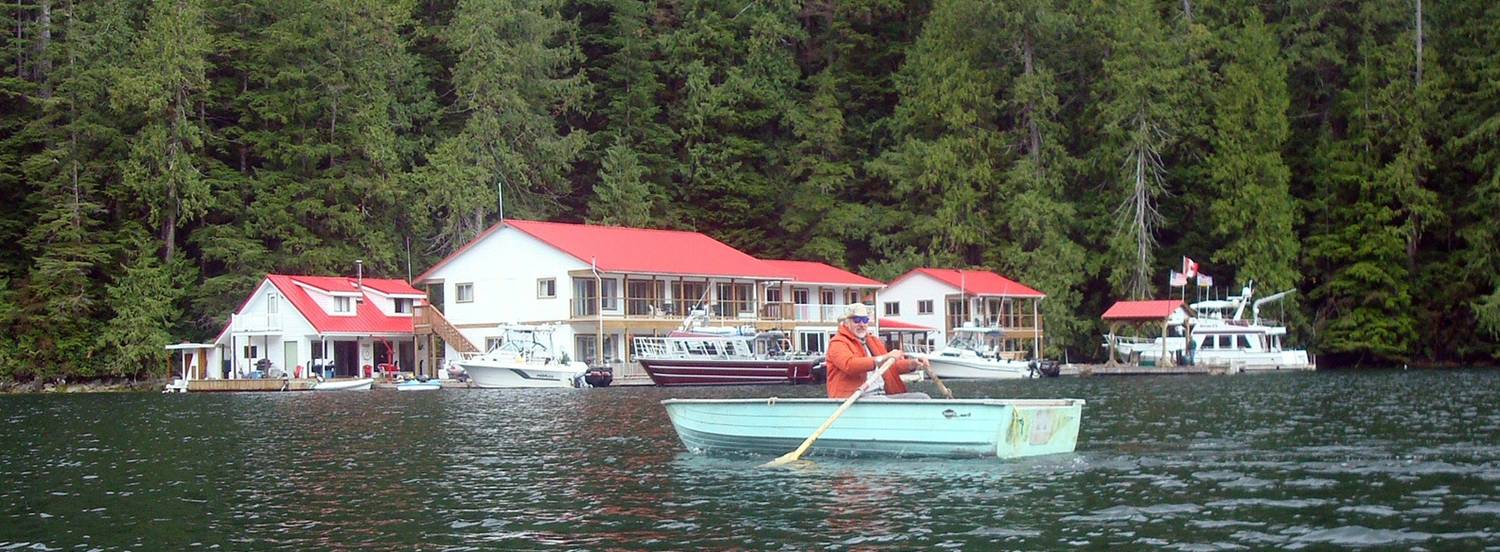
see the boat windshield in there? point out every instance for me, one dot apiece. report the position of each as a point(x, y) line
point(527, 342)
point(974, 341)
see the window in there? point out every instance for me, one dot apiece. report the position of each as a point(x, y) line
point(645, 297)
point(610, 297)
point(892, 308)
point(688, 295)
point(585, 351)
point(546, 288)
point(491, 343)
point(724, 299)
point(463, 293)
point(252, 351)
point(800, 296)
point(343, 304)
point(744, 298)
point(811, 342)
point(584, 299)
point(1242, 342)
point(851, 296)
point(403, 306)
point(583, 348)
point(924, 306)
point(825, 296)
point(272, 304)
point(773, 295)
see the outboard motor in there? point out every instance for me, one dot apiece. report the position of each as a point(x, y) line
point(1044, 368)
point(457, 373)
point(599, 376)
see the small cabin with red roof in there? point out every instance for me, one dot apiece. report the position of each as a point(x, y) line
point(602, 286)
point(945, 298)
point(327, 325)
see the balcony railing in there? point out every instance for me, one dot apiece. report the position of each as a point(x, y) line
point(636, 308)
point(260, 322)
point(1010, 323)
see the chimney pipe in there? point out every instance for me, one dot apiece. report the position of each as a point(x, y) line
point(359, 273)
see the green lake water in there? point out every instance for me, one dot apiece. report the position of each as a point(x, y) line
point(1388, 459)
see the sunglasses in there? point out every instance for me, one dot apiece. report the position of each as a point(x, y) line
point(859, 319)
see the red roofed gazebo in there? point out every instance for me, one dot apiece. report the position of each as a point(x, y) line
point(1138, 314)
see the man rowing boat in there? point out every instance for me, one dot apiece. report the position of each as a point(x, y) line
point(854, 353)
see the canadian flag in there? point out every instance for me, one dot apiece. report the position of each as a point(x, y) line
point(1189, 268)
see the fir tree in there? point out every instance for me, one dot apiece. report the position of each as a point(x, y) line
point(517, 66)
point(1141, 81)
point(1252, 212)
point(134, 340)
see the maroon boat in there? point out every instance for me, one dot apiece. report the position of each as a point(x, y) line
point(730, 358)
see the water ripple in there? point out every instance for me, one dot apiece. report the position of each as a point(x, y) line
point(1289, 461)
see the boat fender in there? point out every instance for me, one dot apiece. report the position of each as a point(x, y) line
point(771, 401)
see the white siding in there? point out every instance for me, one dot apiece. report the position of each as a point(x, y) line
point(920, 287)
point(255, 324)
point(504, 268)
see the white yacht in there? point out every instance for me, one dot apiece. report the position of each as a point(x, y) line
point(524, 358)
point(1221, 336)
point(978, 353)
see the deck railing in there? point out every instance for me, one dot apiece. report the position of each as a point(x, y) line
point(261, 322)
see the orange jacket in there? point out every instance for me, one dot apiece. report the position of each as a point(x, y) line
point(848, 365)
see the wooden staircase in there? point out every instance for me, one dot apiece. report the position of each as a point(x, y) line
point(431, 321)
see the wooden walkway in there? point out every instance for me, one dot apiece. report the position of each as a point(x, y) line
point(225, 385)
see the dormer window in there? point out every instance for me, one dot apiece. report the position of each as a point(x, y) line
point(343, 305)
point(403, 306)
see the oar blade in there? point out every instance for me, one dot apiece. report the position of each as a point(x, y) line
point(783, 460)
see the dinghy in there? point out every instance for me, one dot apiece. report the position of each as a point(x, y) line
point(418, 385)
point(1000, 428)
point(344, 384)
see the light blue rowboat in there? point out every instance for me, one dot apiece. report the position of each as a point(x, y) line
point(1003, 428)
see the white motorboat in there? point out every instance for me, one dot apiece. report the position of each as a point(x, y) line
point(1218, 335)
point(525, 358)
point(976, 353)
point(344, 384)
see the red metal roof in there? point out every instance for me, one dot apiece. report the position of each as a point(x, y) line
point(367, 318)
point(888, 323)
point(976, 282)
point(639, 250)
point(813, 272)
point(1142, 311)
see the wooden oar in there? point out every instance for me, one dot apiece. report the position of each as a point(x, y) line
point(941, 388)
point(796, 454)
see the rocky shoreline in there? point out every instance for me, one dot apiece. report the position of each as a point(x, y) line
point(102, 385)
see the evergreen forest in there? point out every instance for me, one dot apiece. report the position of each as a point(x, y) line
point(158, 158)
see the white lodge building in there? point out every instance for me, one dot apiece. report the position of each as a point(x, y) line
point(604, 285)
point(946, 298)
point(336, 323)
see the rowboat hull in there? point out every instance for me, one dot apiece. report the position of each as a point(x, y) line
point(345, 385)
point(880, 427)
point(708, 371)
point(419, 386)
